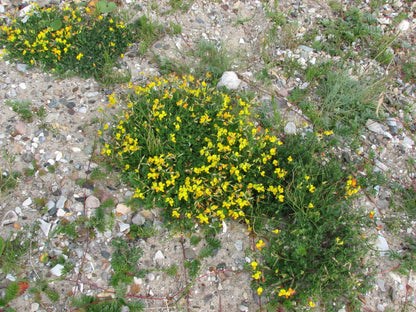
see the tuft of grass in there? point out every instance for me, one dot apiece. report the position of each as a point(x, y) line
point(206, 57)
point(13, 250)
point(22, 108)
point(124, 262)
point(95, 304)
point(147, 31)
point(345, 102)
point(9, 181)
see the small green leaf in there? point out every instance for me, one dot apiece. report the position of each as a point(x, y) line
point(56, 24)
point(104, 6)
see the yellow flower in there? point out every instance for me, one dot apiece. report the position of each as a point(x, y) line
point(311, 304)
point(311, 188)
point(260, 244)
point(276, 231)
point(79, 56)
point(256, 275)
point(254, 265)
point(259, 291)
point(287, 293)
point(175, 214)
point(339, 241)
point(310, 205)
point(289, 159)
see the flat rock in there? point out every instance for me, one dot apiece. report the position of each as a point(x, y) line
point(45, 227)
point(9, 218)
point(122, 209)
point(92, 202)
point(60, 204)
point(57, 270)
point(20, 128)
point(376, 127)
point(124, 227)
point(138, 219)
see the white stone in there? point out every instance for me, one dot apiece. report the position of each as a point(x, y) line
point(22, 86)
point(60, 213)
point(290, 128)
point(159, 256)
point(45, 227)
point(230, 80)
point(57, 270)
point(76, 149)
point(27, 202)
point(58, 155)
point(124, 227)
point(19, 211)
point(381, 244)
point(403, 26)
point(34, 307)
point(395, 277)
point(10, 277)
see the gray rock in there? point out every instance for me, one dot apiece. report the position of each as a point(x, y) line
point(27, 157)
point(380, 307)
point(230, 80)
point(238, 245)
point(376, 127)
point(21, 67)
point(53, 103)
point(290, 128)
point(380, 284)
point(138, 219)
point(105, 254)
point(392, 123)
point(305, 48)
point(189, 253)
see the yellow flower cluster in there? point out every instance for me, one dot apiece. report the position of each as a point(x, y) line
point(210, 159)
point(352, 187)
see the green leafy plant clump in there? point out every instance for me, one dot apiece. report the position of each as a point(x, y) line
point(68, 39)
point(197, 153)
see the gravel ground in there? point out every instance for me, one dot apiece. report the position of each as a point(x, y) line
point(64, 140)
